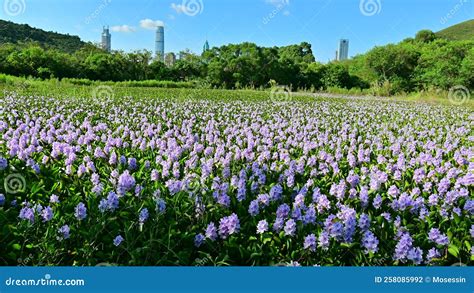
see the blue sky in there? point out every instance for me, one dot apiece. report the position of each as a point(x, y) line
point(266, 22)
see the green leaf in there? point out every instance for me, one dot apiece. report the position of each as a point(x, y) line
point(453, 250)
point(16, 246)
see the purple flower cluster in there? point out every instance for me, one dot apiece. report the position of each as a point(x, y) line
point(228, 226)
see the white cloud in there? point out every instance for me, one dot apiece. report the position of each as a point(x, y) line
point(123, 28)
point(179, 8)
point(151, 24)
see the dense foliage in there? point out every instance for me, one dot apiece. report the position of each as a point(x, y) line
point(208, 178)
point(19, 33)
point(423, 63)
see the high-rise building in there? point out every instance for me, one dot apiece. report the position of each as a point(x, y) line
point(106, 39)
point(343, 50)
point(170, 59)
point(205, 47)
point(160, 43)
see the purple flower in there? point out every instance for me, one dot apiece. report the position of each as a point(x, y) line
point(143, 215)
point(125, 182)
point(310, 242)
point(323, 240)
point(377, 203)
point(198, 240)
point(132, 164)
point(290, 227)
point(472, 231)
point(370, 242)
point(27, 213)
point(3, 163)
point(262, 227)
point(253, 208)
point(404, 245)
point(469, 207)
point(283, 211)
point(278, 224)
point(160, 205)
point(2, 199)
point(364, 222)
point(433, 253)
point(118, 240)
point(47, 214)
point(80, 212)
point(435, 236)
point(54, 198)
point(416, 255)
point(228, 226)
point(64, 231)
point(211, 231)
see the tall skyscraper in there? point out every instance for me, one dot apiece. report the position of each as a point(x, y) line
point(160, 43)
point(205, 47)
point(106, 39)
point(343, 50)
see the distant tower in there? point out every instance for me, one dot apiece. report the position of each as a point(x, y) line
point(160, 43)
point(343, 50)
point(170, 59)
point(206, 47)
point(106, 39)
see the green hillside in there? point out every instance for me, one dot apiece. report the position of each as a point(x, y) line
point(458, 32)
point(14, 33)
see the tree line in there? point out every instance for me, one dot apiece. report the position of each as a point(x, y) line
point(420, 63)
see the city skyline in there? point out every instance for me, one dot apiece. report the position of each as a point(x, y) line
point(189, 23)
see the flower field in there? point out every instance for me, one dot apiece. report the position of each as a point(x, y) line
point(235, 180)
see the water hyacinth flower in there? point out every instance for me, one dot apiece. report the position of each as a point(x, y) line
point(54, 199)
point(143, 215)
point(125, 183)
point(211, 231)
point(80, 212)
point(118, 240)
point(28, 214)
point(3, 163)
point(64, 232)
point(472, 231)
point(47, 214)
point(310, 242)
point(432, 254)
point(2, 199)
point(435, 236)
point(229, 226)
point(199, 240)
point(370, 242)
point(290, 227)
point(253, 208)
point(262, 226)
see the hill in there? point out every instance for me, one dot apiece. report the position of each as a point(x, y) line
point(458, 32)
point(11, 32)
